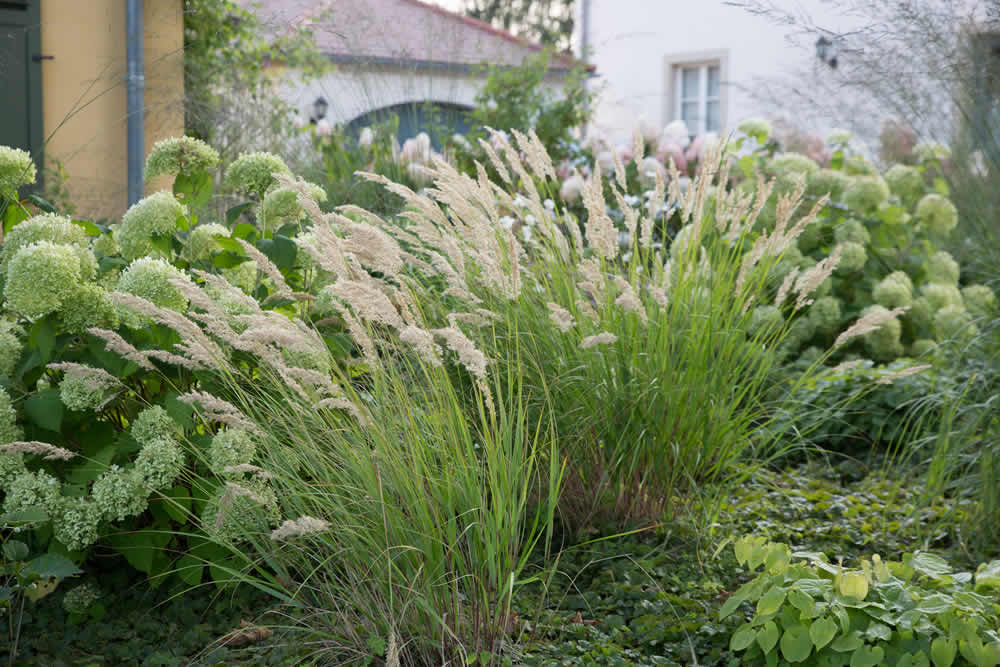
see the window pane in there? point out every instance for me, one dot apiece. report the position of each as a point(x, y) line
point(690, 116)
point(713, 81)
point(689, 83)
point(713, 117)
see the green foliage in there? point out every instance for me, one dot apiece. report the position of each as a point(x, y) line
point(914, 612)
point(548, 22)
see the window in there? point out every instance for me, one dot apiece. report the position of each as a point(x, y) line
point(694, 92)
point(984, 111)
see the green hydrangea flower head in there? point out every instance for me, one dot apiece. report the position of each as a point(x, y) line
point(31, 490)
point(942, 295)
point(231, 447)
point(812, 235)
point(866, 194)
point(922, 347)
point(827, 181)
point(159, 463)
point(857, 165)
point(180, 155)
point(119, 494)
point(852, 258)
point(811, 354)
point(154, 423)
point(77, 527)
point(981, 301)
point(11, 465)
point(884, 343)
point(106, 245)
point(201, 241)
point(149, 278)
point(941, 267)
point(954, 323)
point(17, 169)
point(251, 173)
point(79, 599)
point(9, 430)
point(937, 214)
point(931, 150)
point(921, 315)
point(40, 277)
point(893, 291)
point(852, 230)
point(88, 305)
point(240, 510)
point(315, 192)
point(791, 165)
point(280, 206)
point(243, 276)
point(10, 347)
point(825, 314)
point(796, 336)
point(154, 216)
point(905, 182)
point(758, 128)
point(77, 393)
point(52, 228)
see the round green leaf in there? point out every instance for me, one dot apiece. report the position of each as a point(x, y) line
point(742, 638)
point(943, 652)
point(796, 644)
point(867, 656)
point(771, 602)
point(767, 637)
point(822, 631)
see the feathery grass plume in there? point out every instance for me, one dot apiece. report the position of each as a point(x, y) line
point(291, 529)
point(900, 374)
point(368, 302)
point(115, 343)
point(603, 338)
point(268, 267)
point(872, 321)
point(215, 409)
point(656, 202)
point(619, 166)
point(33, 447)
point(809, 280)
point(628, 300)
point(247, 469)
point(599, 230)
point(561, 317)
point(472, 359)
point(495, 161)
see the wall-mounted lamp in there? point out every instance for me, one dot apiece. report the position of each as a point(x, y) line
point(827, 51)
point(319, 109)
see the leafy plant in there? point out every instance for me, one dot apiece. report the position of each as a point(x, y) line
point(914, 612)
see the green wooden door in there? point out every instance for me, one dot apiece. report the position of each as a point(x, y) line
point(21, 76)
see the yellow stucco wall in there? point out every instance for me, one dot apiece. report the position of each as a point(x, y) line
point(84, 93)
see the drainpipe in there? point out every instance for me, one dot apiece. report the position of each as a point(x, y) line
point(136, 80)
point(584, 49)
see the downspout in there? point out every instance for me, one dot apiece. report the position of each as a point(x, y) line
point(136, 80)
point(584, 50)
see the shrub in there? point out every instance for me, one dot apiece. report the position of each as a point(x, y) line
point(914, 612)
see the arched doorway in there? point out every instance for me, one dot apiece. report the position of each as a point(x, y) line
point(437, 119)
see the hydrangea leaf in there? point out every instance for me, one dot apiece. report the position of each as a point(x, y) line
point(45, 409)
point(52, 565)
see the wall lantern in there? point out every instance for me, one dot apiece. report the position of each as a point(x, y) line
point(319, 109)
point(827, 51)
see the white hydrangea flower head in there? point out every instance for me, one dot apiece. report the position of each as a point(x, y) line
point(180, 155)
point(922, 347)
point(10, 347)
point(905, 182)
point(34, 490)
point(55, 229)
point(120, 493)
point(839, 137)
point(152, 217)
point(676, 132)
point(893, 291)
point(107, 245)
point(243, 275)
point(11, 465)
point(231, 447)
point(280, 206)
point(931, 150)
point(159, 462)
point(981, 301)
point(937, 214)
point(77, 393)
point(17, 169)
point(792, 164)
point(827, 182)
point(758, 128)
point(252, 173)
point(825, 314)
point(240, 510)
point(853, 257)
point(866, 194)
point(149, 278)
point(152, 424)
point(954, 323)
point(40, 277)
point(201, 242)
point(88, 305)
point(884, 344)
point(941, 267)
point(79, 599)
point(941, 295)
point(77, 527)
point(765, 321)
point(852, 230)
point(367, 137)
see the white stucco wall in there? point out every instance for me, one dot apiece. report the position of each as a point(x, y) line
point(630, 40)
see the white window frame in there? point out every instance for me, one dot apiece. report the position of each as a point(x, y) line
point(674, 66)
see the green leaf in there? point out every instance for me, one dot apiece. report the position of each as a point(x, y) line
point(767, 637)
point(867, 656)
point(44, 204)
point(190, 569)
point(13, 216)
point(729, 606)
point(822, 631)
point(795, 643)
point(52, 565)
point(89, 228)
point(943, 651)
point(177, 503)
point(742, 638)
point(771, 602)
point(236, 211)
point(245, 231)
point(91, 468)
point(139, 547)
point(929, 565)
point(193, 189)
point(230, 244)
point(800, 600)
point(877, 631)
point(778, 558)
point(43, 337)
point(45, 409)
point(846, 643)
point(29, 515)
point(281, 250)
point(15, 550)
